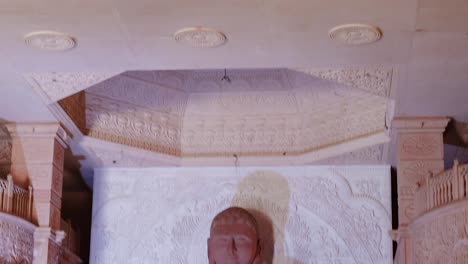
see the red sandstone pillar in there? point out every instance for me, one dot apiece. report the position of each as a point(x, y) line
point(420, 151)
point(37, 160)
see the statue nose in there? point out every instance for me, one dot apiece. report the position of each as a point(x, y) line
point(232, 247)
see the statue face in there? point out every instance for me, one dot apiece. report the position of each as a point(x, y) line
point(233, 244)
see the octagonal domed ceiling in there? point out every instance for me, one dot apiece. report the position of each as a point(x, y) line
point(260, 112)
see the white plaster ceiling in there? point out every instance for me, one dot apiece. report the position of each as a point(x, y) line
point(423, 41)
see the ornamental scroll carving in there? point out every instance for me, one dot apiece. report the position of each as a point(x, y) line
point(335, 219)
point(16, 240)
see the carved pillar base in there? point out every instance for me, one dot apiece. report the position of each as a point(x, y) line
point(47, 245)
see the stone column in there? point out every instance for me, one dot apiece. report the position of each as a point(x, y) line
point(420, 151)
point(37, 160)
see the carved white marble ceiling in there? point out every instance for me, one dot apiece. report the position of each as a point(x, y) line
point(261, 112)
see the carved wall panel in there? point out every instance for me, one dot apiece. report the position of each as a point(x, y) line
point(442, 237)
point(16, 240)
point(306, 214)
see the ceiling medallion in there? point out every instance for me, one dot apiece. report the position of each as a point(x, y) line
point(355, 34)
point(49, 40)
point(200, 37)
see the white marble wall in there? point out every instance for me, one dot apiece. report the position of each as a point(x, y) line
point(318, 214)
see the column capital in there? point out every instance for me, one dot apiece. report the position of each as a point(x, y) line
point(420, 124)
point(38, 130)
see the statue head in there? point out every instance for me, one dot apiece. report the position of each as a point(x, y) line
point(234, 238)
